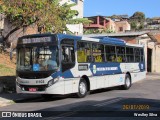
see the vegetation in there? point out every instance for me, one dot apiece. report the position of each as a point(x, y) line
point(6, 71)
point(137, 20)
point(7, 67)
point(96, 31)
point(47, 15)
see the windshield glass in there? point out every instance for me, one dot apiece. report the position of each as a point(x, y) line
point(42, 58)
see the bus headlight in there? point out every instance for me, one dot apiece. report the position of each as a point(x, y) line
point(51, 82)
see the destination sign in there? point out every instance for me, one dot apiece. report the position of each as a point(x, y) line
point(36, 40)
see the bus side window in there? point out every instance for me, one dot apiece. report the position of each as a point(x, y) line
point(67, 54)
point(129, 54)
point(142, 54)
point(84, 52)
point(110, 53)
point(120, 54)
point(98, 52)
point(137, 55)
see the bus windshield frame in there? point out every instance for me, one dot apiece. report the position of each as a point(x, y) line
point(37, 53)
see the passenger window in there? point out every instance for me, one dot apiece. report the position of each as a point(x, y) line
point(129, 54)
point(142, 55)
point(98, 52)
point(137, 54)
point(110, 53)
point(120, 54)
point(84, 52)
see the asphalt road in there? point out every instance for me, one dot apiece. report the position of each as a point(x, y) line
point(114, 103)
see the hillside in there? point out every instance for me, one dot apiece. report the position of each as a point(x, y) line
point(7, 67)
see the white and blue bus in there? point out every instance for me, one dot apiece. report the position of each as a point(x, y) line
point(50, 64)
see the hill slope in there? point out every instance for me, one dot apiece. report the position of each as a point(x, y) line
point(7, 67)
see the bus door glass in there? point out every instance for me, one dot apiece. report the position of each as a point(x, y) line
point(67, 54)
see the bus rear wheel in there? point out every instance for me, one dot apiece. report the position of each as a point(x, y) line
point(127, 83)
point(82, 88)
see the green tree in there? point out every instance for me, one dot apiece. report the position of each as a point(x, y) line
point(133, 25)
point(48, 15)
point(139, 16)
point(137, 20)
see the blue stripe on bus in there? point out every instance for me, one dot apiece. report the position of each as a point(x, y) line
point(67, 74)
point(105, 68)
point(56, 74)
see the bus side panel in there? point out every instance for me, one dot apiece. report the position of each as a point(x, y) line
point(75, 85)
point(57, 88)
point(138, 76)
point(97, 82)
point(93, 82)
point(71, 85)
point(116, 80)
point(68, 86)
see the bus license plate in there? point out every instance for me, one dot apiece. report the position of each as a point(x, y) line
point(32, 89)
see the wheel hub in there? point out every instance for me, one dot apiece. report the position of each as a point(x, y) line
point(82, 88)
point(127, 82)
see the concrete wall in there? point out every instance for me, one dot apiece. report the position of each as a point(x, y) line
point(111, 25)
point(122, 24)
point(155, 65)
point(157, 58)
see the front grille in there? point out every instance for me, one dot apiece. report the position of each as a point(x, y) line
point(34, 75)
point(38, 87)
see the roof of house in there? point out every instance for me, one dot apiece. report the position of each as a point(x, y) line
point(95, 16)
point(157, 36)
point(117, 34)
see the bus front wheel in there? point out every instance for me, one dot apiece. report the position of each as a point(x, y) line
point(127, 83)
point(82, 88)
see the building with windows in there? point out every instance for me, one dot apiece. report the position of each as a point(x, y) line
point(101, 22)
point(122, 26)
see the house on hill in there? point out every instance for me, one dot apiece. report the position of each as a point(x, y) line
point(103, 23)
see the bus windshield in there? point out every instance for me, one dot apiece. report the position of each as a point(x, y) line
point(37, 58)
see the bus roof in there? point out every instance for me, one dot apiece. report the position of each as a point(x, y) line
point(106, 40)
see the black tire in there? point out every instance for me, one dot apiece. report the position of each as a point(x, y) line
point(47, 96)
point(127, 83)
point(82, 88)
